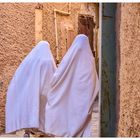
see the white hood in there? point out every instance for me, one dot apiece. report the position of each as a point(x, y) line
point(26, 96)
point(74, 87)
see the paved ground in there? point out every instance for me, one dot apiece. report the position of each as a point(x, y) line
point(95, 120)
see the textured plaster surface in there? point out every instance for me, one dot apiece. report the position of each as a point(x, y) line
point(16, 41)
point(129, 73)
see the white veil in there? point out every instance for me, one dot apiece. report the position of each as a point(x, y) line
point(74, 87)
point(27, 92)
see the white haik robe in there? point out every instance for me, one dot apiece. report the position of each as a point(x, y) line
point(27, 92)
point(74, 87)
point(55, 100)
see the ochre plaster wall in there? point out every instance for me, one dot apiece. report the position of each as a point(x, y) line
point(129, 71)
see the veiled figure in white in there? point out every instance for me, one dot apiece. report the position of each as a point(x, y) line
point(74, 87)
point(57, 101)
point(27, 92)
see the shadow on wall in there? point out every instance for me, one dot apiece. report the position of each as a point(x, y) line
point(108, 89)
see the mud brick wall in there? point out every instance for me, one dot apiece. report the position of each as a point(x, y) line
point(129, 72)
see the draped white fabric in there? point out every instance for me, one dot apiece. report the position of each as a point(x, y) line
point(26, 96)
point(55, 100)
point(74, 87)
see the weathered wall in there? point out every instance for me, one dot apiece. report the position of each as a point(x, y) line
point(129, 75)
point(64, 21)
point(17, 36)
point(16, 40)
point(108, 81)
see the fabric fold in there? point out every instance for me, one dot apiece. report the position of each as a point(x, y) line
point(74, 87)
point(27, 92)
point(55, 100)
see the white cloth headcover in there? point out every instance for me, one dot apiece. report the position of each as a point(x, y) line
point(27, 92)
point(74, 87)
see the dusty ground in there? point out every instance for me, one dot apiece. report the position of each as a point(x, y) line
point(129, 121)
point(17, 38)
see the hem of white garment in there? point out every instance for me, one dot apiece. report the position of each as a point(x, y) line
point(55, 134)
point(18, 128)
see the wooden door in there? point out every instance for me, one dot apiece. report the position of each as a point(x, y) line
point(85, 26)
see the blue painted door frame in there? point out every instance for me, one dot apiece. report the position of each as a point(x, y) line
point(108, 82)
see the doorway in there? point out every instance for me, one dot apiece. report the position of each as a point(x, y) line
point(85, 26)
